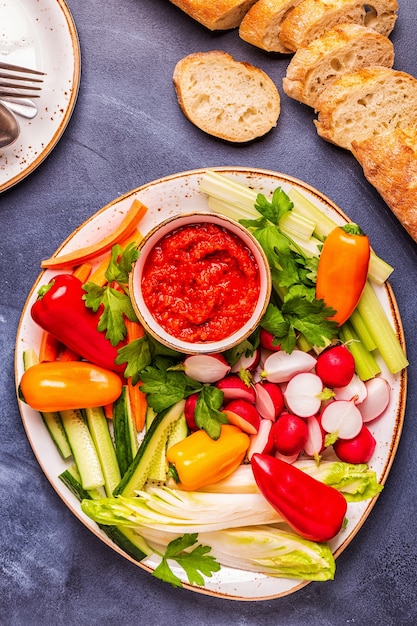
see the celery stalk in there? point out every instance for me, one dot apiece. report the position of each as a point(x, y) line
point(381, 330)
point(365, 363)
point(362, 330)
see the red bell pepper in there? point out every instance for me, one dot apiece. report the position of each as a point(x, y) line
point(314, 510)
point(61, 311)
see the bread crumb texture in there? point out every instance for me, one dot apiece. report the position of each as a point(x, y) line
point(232, 100)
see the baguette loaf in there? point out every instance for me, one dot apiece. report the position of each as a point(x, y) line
point(229, 99)
point(389, 162)
point(261, 25)
point(312, 18)
point(344, 48)
point(219, 15)
point(368, 102)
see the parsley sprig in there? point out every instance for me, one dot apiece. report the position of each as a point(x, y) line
point(195, 563)
point(114, 297)
point(294, 308)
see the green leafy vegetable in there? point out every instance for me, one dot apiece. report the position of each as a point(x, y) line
point(137, 355)
point(195, 562)
point(165, 387)
point(207, 414)
point(116, 303)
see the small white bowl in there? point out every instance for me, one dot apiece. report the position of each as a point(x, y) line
point(145, 316)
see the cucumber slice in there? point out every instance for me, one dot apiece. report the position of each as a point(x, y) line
point(83, 449)
point(124, 429)
point(52, 421)
point(149, 451)
point(179, 431)
point(99, 429)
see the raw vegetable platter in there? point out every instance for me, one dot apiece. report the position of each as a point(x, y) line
point(181, 193)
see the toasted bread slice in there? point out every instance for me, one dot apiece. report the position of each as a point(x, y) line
point(229, 99)
point(344, 48)
point(261, 25)
point(389, 162)
point(219, 15)
point(361, 104)
point(312, 18)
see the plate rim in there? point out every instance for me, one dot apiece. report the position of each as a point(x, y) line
point(402, 376)
point(76, 79)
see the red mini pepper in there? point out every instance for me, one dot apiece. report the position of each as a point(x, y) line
point(316, 511)
point(342, 270)
point(61, 311)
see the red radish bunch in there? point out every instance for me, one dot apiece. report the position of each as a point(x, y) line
point(299, 404)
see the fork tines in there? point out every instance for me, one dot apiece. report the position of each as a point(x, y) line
point(19, 82)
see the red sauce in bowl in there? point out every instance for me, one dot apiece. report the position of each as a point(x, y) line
point(201, 283)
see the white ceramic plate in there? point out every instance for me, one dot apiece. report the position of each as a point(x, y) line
point(40, 35)
point(165, 197)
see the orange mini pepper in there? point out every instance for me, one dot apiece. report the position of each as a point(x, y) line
point(58, 386)
point(200, 460)
point(342, 270)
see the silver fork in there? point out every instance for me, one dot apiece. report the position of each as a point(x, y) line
point(19, 82)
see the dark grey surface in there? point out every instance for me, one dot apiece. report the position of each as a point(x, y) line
point(125, 131)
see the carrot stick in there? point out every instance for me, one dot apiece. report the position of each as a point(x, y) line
point(77, 257)
point(69, 355)
point(108, 411)
point(98, 276)
point(83, 271)
point(137, 398)
point(49, 347)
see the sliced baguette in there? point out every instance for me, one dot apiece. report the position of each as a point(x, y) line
point(219, 15)
point(389, 162)
point(261, 25)
point(312, 18)
point(344, 48)
point(229, 99)
point(368, 102)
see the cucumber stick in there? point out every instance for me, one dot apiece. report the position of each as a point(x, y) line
point(149, 451)
point(52, 421)
point(83, 449)
point(99, 429)
point(124, 429)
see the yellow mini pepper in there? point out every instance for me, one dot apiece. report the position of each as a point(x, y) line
point(200, 460)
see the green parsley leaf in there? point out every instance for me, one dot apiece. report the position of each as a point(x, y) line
point(137, 355)
point(195, 563)
point(164, 387)
point(121, 262)
point(207, 414)
point(275, 209)
point(116, 305)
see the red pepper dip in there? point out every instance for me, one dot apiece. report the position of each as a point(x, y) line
point(201, 283)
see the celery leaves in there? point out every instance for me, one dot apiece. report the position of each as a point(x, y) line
point(195, 563)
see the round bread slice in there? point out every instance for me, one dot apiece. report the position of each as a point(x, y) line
point(368, 102)
point(312, 18)
point(389, 163)
point(261, 25)
point(344, 48)
point(228, 99)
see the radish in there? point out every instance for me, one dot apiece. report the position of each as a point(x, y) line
point(279, 367)
point(342, 419)
point(234, 388)
point(335, 366)
point(243, 414)
point(359, 449)
point(206, 368)
point(249, 363)
point(262, 442)
point(290, 434)
point(269, 400)
point(288, 459)
point(377, 399)
point(189, 411)
point(266, 339)
point(355, 390)
point(303, 394)
point(315, 440)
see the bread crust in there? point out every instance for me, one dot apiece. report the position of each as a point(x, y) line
point(364, 103)
point(312, 18)
point(344, 48)
point(261, 25)
point(389, 163)
point(232, 100)
point(219, 15)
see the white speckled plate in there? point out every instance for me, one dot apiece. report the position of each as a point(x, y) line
point(165, 197)
point(41, 35)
